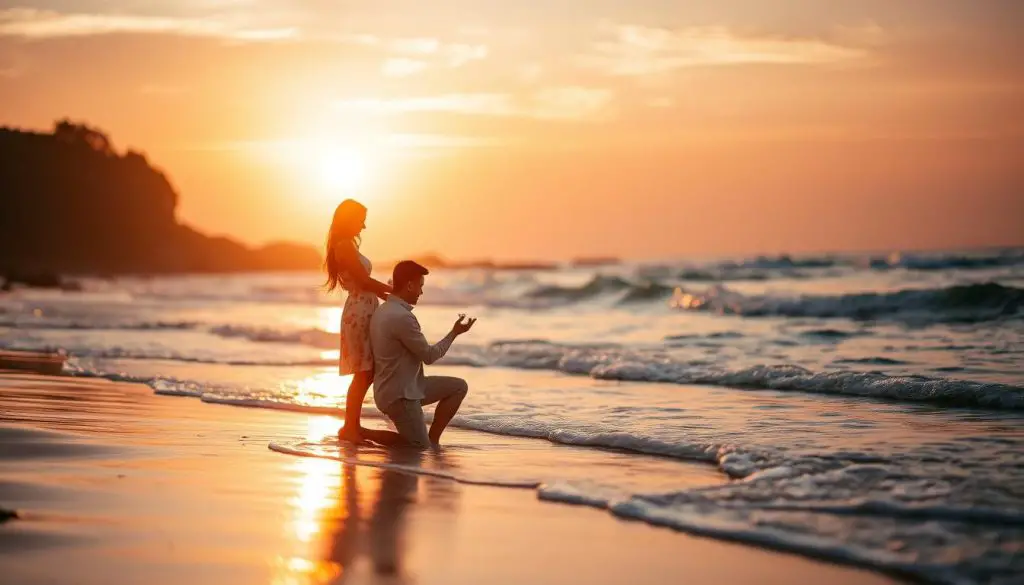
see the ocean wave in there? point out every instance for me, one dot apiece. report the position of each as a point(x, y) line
point(952, 558)
point(922, 261)
point(311, 337)
point(788, 267)
point(295, 295)
point(969, 303)
point(233, 395)
point(648, 291)
point(612, 363)
point(910, 514)
point(872, 361)
point(828, 333)
point(938, 262)
point(625, 291)
point(786, 261)
point(23, 321)
point(163, 354)
point(598, 285)
point(734, 274)
point(955, 304)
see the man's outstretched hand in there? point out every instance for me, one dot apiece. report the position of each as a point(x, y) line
point(462, 325)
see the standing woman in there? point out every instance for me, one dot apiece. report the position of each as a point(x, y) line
point(350, 270)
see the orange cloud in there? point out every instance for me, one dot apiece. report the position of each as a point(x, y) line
point(640, 50)
point(44, 24)
point(553, 103)
point(449, 54)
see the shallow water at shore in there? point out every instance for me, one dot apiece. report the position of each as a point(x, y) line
point(864, 412)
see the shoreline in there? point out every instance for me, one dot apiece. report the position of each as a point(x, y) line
point(125, 485)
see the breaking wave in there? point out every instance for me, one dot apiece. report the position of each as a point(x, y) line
point(610, 363)
point(956, 304)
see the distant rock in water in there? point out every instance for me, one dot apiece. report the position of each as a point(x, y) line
point(72, 204)
point(10, 280)
point(594, 261)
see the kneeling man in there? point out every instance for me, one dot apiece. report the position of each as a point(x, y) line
point(400, 389)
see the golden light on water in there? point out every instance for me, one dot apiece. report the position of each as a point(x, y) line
point(323, 389)
point(319, 483)
point(319, 492)
point(299, 571)
point(684, 300)
point(321, 427)
point(330, 319)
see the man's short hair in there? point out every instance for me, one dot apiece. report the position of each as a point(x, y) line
point(405, 272)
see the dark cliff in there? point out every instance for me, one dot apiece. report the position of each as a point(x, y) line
point(69, 203)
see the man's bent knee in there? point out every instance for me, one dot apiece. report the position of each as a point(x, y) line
point(460, 386)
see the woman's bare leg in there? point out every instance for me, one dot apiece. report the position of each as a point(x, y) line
point(350, 431)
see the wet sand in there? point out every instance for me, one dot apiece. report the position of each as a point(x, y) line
point(115, 485)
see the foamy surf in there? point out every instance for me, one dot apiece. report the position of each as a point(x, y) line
point(634, 366)
point(865, 514)
point(313, 450)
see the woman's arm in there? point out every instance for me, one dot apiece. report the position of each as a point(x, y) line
point(346, 255)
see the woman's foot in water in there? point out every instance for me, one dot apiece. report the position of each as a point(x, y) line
point(351, 435)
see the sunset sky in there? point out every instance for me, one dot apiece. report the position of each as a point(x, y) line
point(513, 130)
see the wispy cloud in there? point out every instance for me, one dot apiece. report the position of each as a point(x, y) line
point(554, 103)
point(413, 55)
point(487, 104)
point(452, 54)
point(42, 24)
point(571, 103)
point(402, 67)
point(401, 56)
point(458, 54)
point(640, 50)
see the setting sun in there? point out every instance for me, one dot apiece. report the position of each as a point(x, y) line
point(342, 168)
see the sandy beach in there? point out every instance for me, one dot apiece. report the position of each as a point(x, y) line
point(113, 484)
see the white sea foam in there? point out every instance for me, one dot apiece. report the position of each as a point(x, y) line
point(311, 450)
point(874, 515)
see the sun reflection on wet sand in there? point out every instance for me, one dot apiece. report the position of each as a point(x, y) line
point(319, 500)
point(316, 493)
point(345, 520)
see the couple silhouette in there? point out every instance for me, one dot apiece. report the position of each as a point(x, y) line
point(384, 345)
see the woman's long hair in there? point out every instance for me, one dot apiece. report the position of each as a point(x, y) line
point(346, 225)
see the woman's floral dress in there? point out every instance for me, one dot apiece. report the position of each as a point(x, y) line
point(356, 355)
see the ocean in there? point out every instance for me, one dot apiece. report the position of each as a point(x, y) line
point(863, 408)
